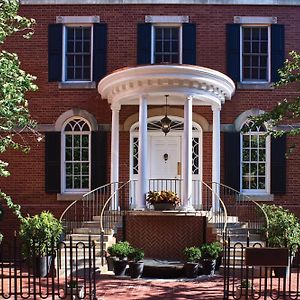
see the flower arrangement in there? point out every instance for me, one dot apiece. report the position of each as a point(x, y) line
point(155, 197)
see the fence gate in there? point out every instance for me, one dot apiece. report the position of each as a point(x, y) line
point(254, 271)
point(68, 272)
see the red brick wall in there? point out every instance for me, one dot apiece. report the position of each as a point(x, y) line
point(26, 184)
point(164, 237)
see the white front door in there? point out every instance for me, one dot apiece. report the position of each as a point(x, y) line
point(165, 163)
point(165, 157)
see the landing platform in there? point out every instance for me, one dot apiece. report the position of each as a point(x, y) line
point(156, 268)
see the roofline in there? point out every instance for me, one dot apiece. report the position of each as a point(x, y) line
point(153, 2)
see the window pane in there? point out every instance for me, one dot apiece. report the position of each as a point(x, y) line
point(254, 140)
point(85, 154)
point(253, 169)
point(245, 183)
point(246, 155)
point(69, 168)
point(253, 184)
point(246, 142)
point(85, 182)
point(247, 33)
point(85, 169)
point(262, 155)
point(247, 47)
point(261, 169)
point(70, 73)
point(255, 33)
point(77, 182)
point(245, 169)
point(254, 156)
point(69, 182)
point(68, 154)
point(261, 182)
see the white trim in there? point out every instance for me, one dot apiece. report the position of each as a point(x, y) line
point(167, 19)
point(77, 19)
point(153, 2)
point(258, 82)
point(153, 40)
point(64, 76)
point(63, 158)
point(254, 20)
point(267, 171)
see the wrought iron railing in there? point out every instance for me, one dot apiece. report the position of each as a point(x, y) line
point(244, 207)
point(85, 209)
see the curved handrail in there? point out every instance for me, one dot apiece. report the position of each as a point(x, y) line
point(83, 196)
point(107, 202)
point(247, 197)
point(222, 203)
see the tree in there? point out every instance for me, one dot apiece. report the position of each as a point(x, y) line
point(14, 84)
point(286, 112)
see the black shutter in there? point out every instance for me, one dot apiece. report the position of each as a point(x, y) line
point(277, 50)
point(144, 43)
point(233, 51)
point(189, 43)
point(99, 151)
point(99, 51)
point(278, 165)
point(52, 162)
point(232, 159)
point(55, 52)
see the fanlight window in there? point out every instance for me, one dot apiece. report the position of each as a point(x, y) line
point(77, 158)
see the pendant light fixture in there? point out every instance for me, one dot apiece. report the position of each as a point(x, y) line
point(165, 121)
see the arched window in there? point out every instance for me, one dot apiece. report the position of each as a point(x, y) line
point(76, 142)
point(255, 159)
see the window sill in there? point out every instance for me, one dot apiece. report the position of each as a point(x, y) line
point(260, 197)
point(76, 85)
point(69, 197)
point(255, 86)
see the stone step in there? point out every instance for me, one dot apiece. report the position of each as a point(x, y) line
point(234, 238)
point(89, 230)
point(85, 237)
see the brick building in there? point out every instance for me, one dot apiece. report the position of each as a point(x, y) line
point(207, 65)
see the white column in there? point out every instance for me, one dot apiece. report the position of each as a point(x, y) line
point(142, 187)
point(216, 155)
point(187, 163)
point(114, 164)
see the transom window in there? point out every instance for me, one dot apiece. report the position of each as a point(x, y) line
point(255, 53)
point(78, 53)
point(166, 44)
point(254, 158)
point(77, 157)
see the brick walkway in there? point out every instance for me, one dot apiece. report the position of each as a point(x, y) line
point(203, 287)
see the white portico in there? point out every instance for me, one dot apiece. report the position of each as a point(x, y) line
point(187, 86)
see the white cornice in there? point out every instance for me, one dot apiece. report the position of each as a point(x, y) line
point(202, 2)
point(206, 86)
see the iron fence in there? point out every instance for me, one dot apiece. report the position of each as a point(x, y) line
point(252, 270)
point(67, 272)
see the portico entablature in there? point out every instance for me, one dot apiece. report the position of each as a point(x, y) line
point(206, 86)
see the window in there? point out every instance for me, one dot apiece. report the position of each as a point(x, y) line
point(78, 53)
point(166, 44)
point(254, 159)
point(255, 53)
point(76, 155)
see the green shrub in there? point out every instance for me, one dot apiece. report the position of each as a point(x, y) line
point(192, 254)
point(136, 254)
point(120, 250)
point(283, 229)
point(38, 233)
point(211, 250)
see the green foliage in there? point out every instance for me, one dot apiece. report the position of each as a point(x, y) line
point(288, 109)
point(246, 284)
point(283, 229)
point(192, 254)
point(163, 197)
point(120, 250)
point(211, 250)
point(136, 254)
point(39, 232)
point(14, 84)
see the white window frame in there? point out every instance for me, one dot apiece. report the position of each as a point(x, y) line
point(178, 25)
point(63, 153)
point(269, 55)
point(64, 48)
point(268, 167)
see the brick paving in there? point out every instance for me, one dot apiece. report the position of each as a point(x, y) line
point(203, 287)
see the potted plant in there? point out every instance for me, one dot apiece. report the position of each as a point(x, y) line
point(244, 290)
point(38, 234)
point(163, 200)
point(192, 256)
point(283, 231)
point(209, 254)
point(136, 265)
point(119, 252)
